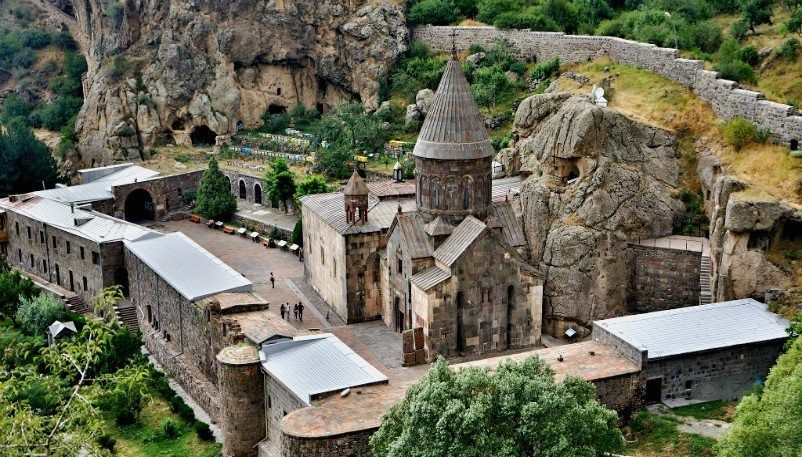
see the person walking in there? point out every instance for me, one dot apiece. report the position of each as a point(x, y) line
point(300, 311)
point(287, 306)
point(272, 280)
point(282, 311)
point(295, 312)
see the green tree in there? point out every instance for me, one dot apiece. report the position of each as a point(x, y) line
point(103, 307)
point(36, 314)
point(767, 423)
point(280, 182)
point(436, 12)
point(14, 107)
point(756, 12)
point(25, 162)
point(334, 161)
point(13, 289)
point(312, 184)
point(516, 409)
point(215, 200)
point(298, 233)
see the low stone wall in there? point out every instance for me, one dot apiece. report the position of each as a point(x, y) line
point(262, 227)
point(621, 393)
point(725, 97)
point(665, 278)
point(350, 445)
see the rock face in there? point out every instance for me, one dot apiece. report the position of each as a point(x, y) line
point(598, 180)
point(745, 233)
point(183, 71)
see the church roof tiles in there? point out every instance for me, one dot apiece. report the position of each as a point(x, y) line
point(453, 128)
point(464, 235)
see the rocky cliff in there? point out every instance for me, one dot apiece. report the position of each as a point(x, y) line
point(598, 179)
point(182, 71)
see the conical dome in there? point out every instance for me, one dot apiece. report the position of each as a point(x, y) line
point(453, 129)
point(356, 185)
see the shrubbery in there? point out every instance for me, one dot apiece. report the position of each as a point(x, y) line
point(36, 314)
point(740, 132)
point(214, 198)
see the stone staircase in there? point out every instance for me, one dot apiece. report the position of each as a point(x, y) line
point(706, 290)
point(76, 304)
point(126, 315)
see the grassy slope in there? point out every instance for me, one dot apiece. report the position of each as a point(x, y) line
point(654, 100)
point(146, 437)
point(658, 436)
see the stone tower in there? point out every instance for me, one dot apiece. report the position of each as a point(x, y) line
point(242, 400)
point(453, 154)
point(356, 200)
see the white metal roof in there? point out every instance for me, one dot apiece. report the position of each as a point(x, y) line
point(100, 188)
point(317, 364)
point(91, 225)
point(187, 267)
point(698, 328)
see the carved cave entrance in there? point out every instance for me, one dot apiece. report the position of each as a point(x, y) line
point(202, 135)
point(139, 206)
point(276, 109)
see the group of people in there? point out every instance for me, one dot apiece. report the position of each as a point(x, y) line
point(297, 311)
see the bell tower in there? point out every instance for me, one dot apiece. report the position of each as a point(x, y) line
point(356, 200)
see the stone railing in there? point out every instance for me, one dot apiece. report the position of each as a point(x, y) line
point(724, 96)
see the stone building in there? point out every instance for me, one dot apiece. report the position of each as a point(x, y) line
point(707, 352)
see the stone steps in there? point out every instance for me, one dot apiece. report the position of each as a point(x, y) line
point(76, 304)
point(126, 315)
point(705, 282)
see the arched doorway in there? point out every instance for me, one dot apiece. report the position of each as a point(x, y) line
point(257, 194)
point(202, 135)
point(139, 206)
point(242, 191)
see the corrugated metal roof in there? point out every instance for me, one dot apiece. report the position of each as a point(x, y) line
point(453, 128)
point(430, 277)
point(100, 188)
point(96, 226)
point(187, 267)
point(331, 208)
point(464, 235)
point(698, 328)
point(317, 364)
point(417, 241)
point(512, 230)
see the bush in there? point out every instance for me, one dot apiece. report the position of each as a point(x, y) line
point(203, 431)
point(42, 393)
point(275, 123)
point(170, 429)
point(546, 69)
point(736, 70)
point(179, 406)
point(13, 107)
point(474, 48)
point(789, 49)
point(529, 18)
point(214, 198)
point(64, 41)
point(437, 12)
point(17, 349)
point(34, 39)
point(188, 196)
point(740, 132)
point(275, 234)
point(298, 233)
point(25, 58)
point(107, 442)
point(303, 116)
point(36, 314)
point(748, 54)
point(58, 113)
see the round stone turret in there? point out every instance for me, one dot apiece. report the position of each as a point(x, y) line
point(356, 200)
point(453, 154)
point(242, 405)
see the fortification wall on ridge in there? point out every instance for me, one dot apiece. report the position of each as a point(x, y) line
point(726, 98)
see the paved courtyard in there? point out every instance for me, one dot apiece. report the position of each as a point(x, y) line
point(255, 262)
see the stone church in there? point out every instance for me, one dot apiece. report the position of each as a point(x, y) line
point(449, 259)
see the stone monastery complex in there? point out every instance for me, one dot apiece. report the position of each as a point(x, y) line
point(398, 273)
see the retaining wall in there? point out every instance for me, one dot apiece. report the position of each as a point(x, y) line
point(727, 99)
point(665, 278)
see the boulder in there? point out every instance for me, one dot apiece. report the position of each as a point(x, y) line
point(475, 59)
point(423, 100)
point(412, 114)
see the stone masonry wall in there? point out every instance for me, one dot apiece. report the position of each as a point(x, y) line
point(278, 403)
point(723, 374)
point(164, 190)
point(725, 97)
point(350, 445)
point(363, 293)
point(57, 256)
point(635, 354)
point(325, 262)
point(621, 393)
point(665, 278)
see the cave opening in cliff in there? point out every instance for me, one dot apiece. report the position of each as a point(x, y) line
point(177, 124)
point(202, 135)
point(794, 144)
point(790, 236)
point(275, 108)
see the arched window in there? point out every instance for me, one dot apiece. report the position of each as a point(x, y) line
point(423, 189)
point(466, 198)
point(437, 196)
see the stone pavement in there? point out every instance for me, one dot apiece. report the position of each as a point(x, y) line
point(255, 262)
point(273, 217)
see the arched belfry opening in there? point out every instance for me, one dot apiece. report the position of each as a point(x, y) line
point(139, 206)
point(202, 135)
